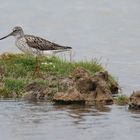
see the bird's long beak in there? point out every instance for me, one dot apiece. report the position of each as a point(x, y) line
point(6, 36)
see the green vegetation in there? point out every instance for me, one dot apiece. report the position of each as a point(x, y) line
point(16, 71)
point(121, 100)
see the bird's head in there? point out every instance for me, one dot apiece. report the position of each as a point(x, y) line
point(17, 32)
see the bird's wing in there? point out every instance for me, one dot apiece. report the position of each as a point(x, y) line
point(42, 44)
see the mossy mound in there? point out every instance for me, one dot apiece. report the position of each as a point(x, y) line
point(16, 73)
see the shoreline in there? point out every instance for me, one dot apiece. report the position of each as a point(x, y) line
point(59, 81)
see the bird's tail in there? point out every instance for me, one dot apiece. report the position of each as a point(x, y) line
point(59, 47)
point(67, 47)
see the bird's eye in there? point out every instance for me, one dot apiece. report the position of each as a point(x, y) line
point(15, 30)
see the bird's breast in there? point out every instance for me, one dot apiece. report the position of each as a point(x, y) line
point(24, 47)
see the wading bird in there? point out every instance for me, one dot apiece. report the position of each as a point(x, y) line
point(30, 44)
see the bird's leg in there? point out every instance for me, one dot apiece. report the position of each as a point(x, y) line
point(70, 56)
point(37, 67)
point(70, 53)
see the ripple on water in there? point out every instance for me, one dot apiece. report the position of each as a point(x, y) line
point(21, 120)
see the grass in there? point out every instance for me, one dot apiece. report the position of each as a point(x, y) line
point(15, 85)
point(16, 71)
point(121, 100)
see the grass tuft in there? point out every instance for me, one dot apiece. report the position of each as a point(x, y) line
point(121, 100)
point(14, 85)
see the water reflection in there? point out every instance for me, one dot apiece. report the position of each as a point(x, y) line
point(83, 116)
point(135, 115)
point(43, 120)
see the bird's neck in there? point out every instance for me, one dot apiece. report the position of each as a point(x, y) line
point(19, 35)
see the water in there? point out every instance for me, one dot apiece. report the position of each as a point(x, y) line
point(105, 29)
point(26, 121)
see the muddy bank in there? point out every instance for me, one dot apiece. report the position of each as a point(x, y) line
point(134, 101)
point(58, 80)
point(80, 87)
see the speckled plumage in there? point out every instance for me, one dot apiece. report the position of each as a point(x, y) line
point(30, 44)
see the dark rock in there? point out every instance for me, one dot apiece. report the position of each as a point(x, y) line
point(103, 93)
point(90, 97)
point(134, 101)
point(102, 75)
point(35, 91)
point(65, 84)
point(70, 97)
point(84, 88)
point(85, 84)
point(53, 81)
point(34, 87)
point(114, 87)
point(81, 88)
point(83, 80)
point(80, 73)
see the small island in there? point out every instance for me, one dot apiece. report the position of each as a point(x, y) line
point(59, 81)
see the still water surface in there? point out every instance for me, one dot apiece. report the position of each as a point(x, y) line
point(106, 29)
point(38, 121)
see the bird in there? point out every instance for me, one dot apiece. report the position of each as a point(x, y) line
point(33, 45)
point(30, 44)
